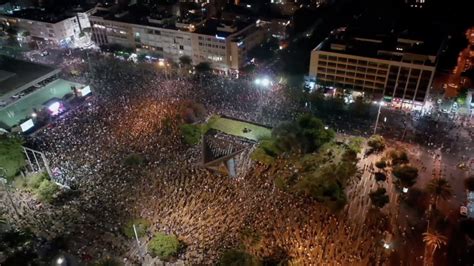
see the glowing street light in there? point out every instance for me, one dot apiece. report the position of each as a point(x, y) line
point(405, 190)
point(34, 115)
point(264, 82)
point(381, 103)
point(60, 261)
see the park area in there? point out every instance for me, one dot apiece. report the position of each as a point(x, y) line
point(240, 128)
point(21, 109)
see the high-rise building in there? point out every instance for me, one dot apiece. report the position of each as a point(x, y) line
point(56, 28)
point(399, 67)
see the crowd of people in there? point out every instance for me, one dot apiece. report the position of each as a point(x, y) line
point(129, 114)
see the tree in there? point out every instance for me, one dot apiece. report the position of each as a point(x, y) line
point(238, 258)
point(469, 183)
point(379, 176)
point(12, 158)
point(47, 190)
point(185, 60)
point(191, 133)
point(376, 142)
point(193, 112)
point(406, 175)
point(434, 240)
point(141, 225)
point(356, 144)
point(164, 246)
point(305, 135)
point(108, 262)
point(379, 197)
point(381, 164)
point(134, 160)
point(203, 68)
point(439, 188)
point(360, 108)
point(398, 157)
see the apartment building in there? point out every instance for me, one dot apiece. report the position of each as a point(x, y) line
point(56, 28)
point(398, 67)
point(222, 43)
point(225, 43)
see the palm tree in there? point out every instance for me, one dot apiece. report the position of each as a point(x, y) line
point(439, 188)
point(469, 183)
point(433, 241)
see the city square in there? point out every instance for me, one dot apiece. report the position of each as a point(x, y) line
point(119, 158)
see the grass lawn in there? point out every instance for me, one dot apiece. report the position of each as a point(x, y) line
point(236, 128)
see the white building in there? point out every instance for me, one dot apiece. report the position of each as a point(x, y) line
point(58, 29)
point(222, 43)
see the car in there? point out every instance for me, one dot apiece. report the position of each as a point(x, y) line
point(463, 211)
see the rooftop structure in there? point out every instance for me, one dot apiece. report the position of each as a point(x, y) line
point(17, 75)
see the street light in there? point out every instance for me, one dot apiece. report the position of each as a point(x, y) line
point(264, 82)
point(381, 103)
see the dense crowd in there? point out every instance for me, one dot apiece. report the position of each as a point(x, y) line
point(127, 115)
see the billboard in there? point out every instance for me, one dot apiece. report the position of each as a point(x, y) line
point(28, 124)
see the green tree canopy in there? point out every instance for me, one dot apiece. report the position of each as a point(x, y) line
point(406, 175)
point(376, 142)
point(191, 133)
point(381, 164)
point(469, 183)
point(141, 226)
point(238, 258)
point(398, 157)
point(47, 190)
point(360, 108)
point(164, 246)
point(12, 158)
point(307, 134)
point(203, 68)
point(185, 60)
point(379, 197)
point(439, 188)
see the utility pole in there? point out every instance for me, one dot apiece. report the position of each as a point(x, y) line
point(378, 115)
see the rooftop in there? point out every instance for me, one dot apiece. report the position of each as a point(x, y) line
point(40, 15)
point(222, 28)
point(384, 41)
point(139, 15)
point(17, 75)
point(142, 16)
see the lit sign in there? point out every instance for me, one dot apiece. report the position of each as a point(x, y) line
point(219, 37)
point(27, 125)
point(85, 91)
point(54, 108)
